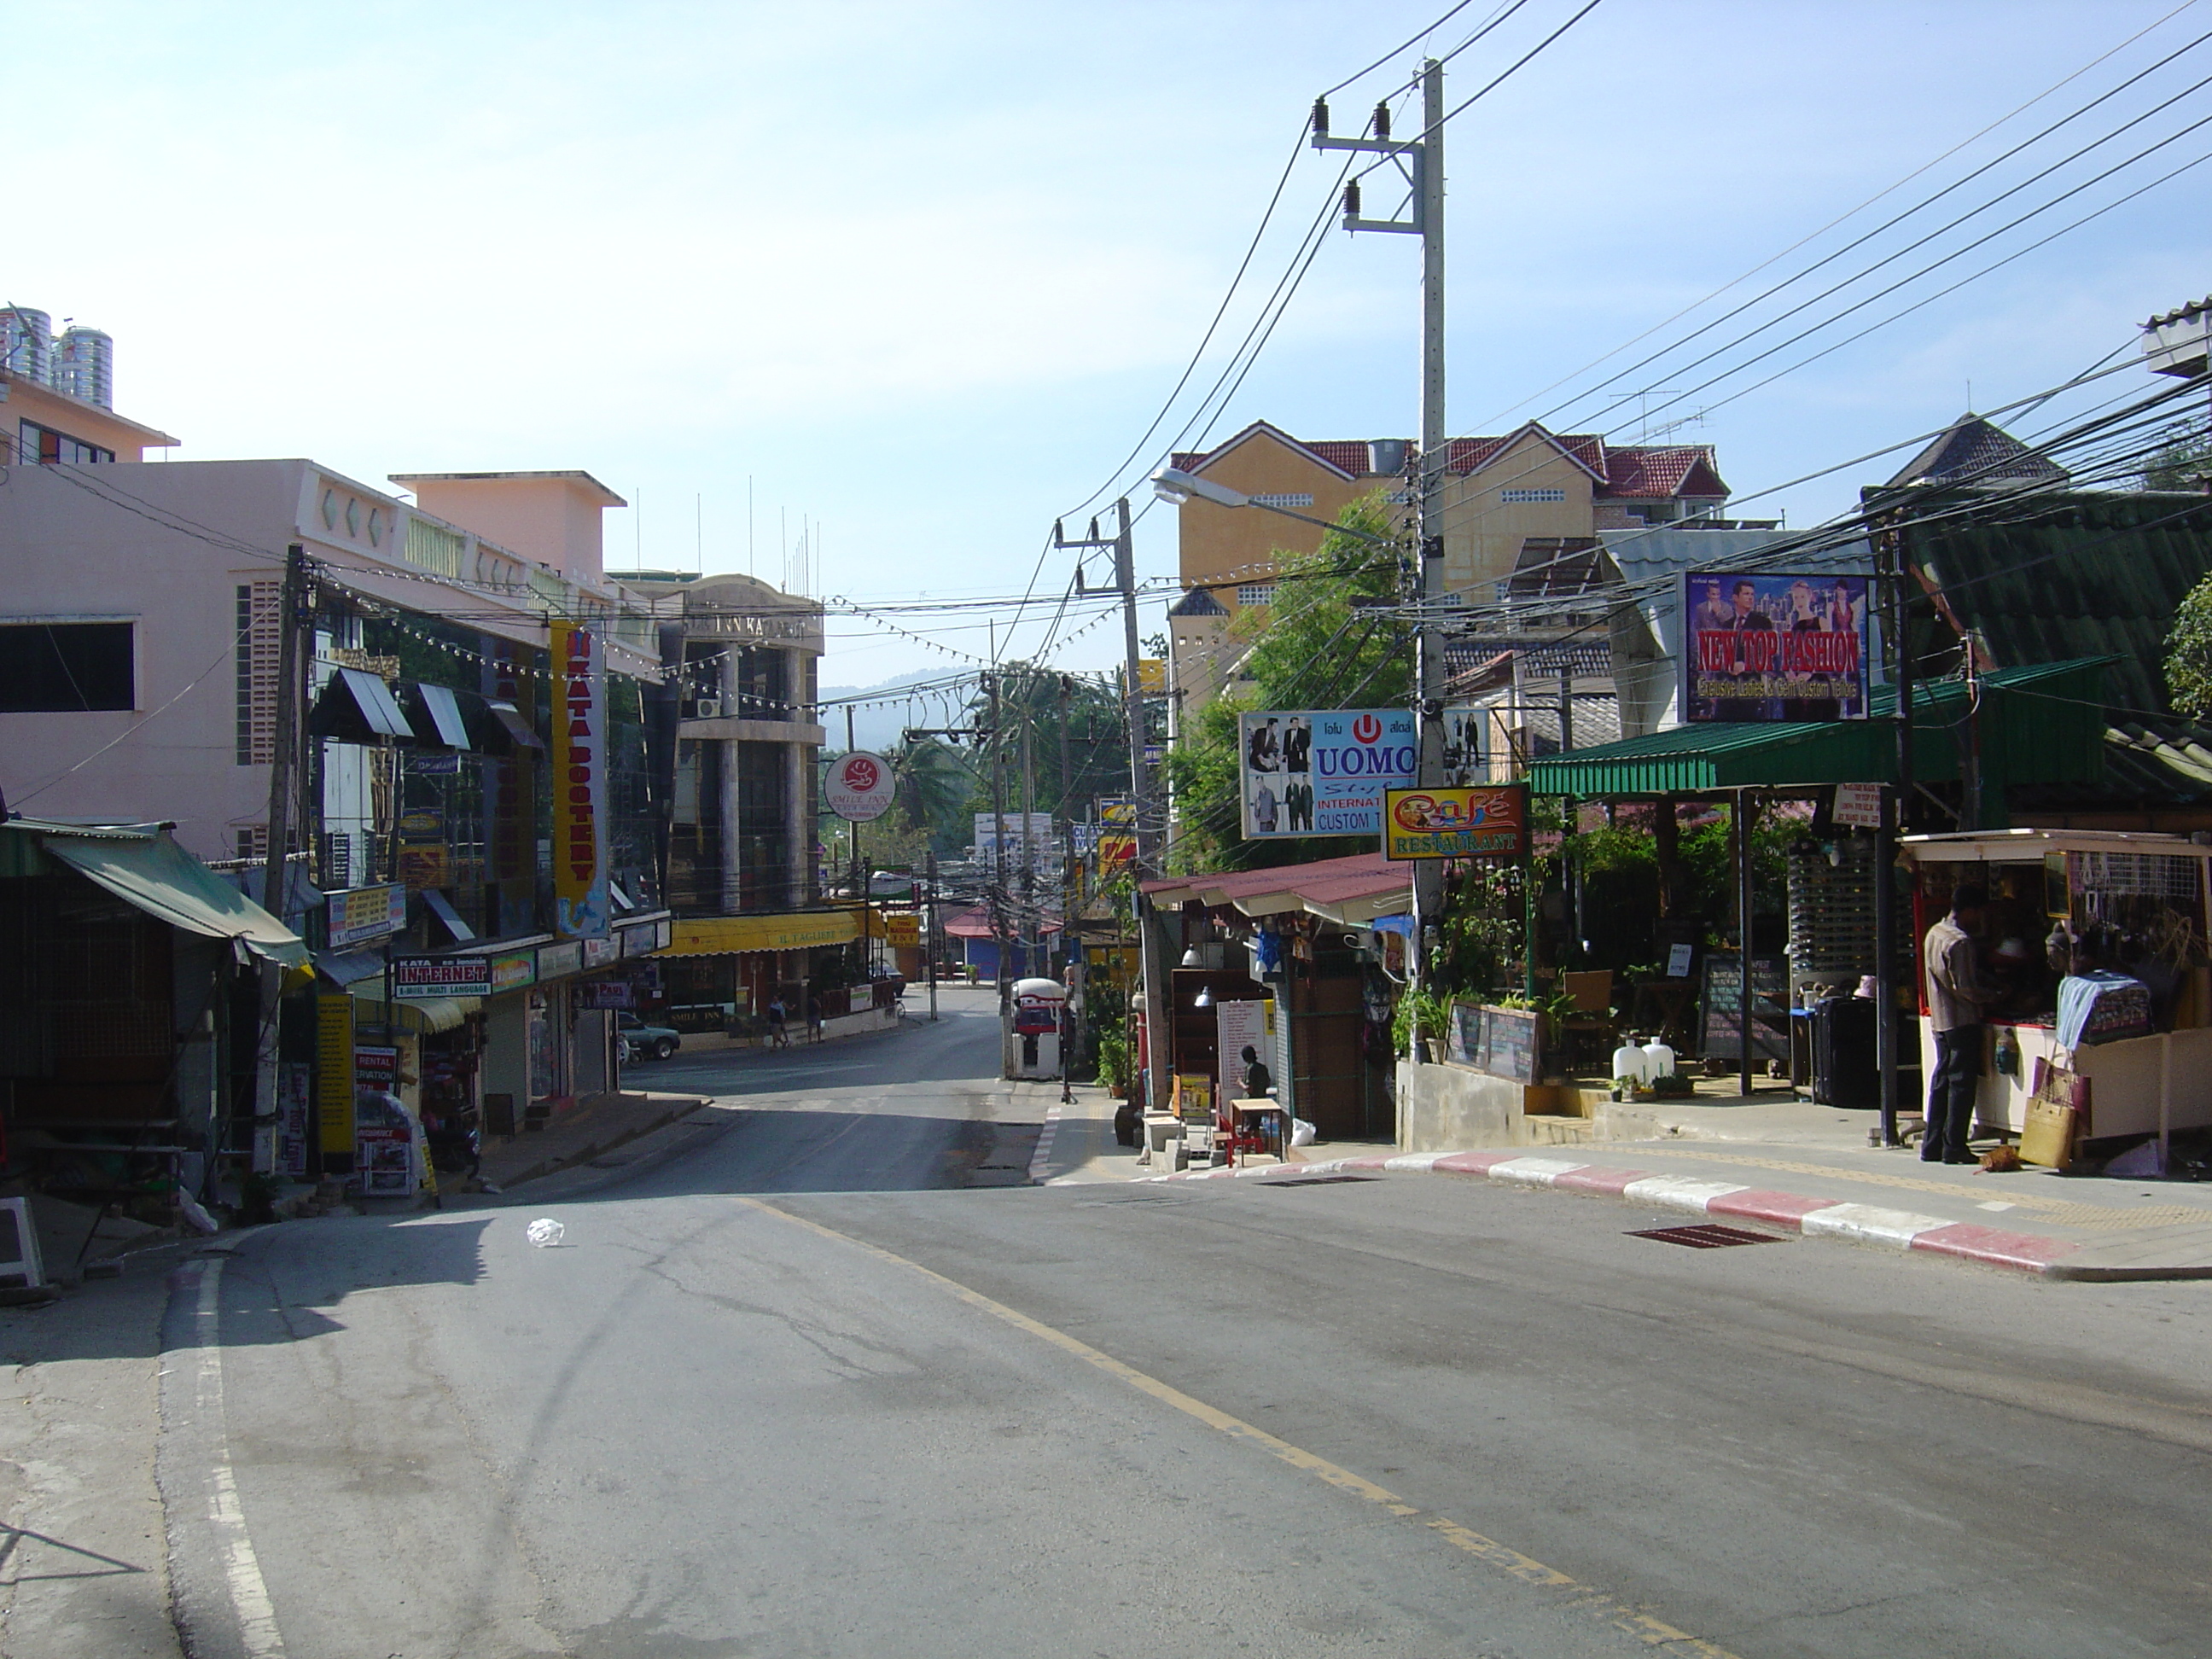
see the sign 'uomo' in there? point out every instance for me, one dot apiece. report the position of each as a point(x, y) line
point(580, 783)
point(1322, 771)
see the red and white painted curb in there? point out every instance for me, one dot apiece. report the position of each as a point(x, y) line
point(1793, 1212)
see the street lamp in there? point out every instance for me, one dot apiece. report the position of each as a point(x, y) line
point(1175, 486)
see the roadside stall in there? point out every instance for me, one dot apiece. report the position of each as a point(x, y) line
point(2096, 943)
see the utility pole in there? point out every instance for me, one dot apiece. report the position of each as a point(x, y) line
point(1420, 162)
point(929, 928)
point(284, 738)
point(1153, 959)
point(1889, 946)
point(1032, 931)
point(853, 831)
point(1068, 899)
point(997, 843)
point(288, 732)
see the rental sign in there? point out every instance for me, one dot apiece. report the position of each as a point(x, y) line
point(580, 901)
point(1322, 771)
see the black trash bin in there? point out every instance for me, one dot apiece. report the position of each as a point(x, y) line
point(1844, 1072)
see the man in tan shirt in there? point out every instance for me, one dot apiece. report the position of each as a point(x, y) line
point(1955, 997)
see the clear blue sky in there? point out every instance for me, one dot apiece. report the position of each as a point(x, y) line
point(924, 272)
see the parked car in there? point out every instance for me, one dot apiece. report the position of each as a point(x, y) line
point(643, 1042)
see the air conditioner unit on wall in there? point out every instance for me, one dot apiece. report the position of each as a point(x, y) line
point(707, 709)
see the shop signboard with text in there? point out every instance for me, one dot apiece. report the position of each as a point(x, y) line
point(860, 788)
point(415, 979)
point(1758, 647)
point(366, 913)
point(1490, 822)
point(581, 904)
point(1322, 772)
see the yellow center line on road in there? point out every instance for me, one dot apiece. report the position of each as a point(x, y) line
point(1654, 1632)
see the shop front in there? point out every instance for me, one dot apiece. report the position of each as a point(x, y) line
point(133, 1060)
point(2041, 724)
point(1302, 937)
point(721, 972)
point(534, 1034)
point(2095, 946)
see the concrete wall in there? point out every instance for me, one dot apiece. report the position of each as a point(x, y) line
point(1444, 1108)
point(549, 518)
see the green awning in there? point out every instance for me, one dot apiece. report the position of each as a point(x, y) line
point(144, 868)
point(2044, 724)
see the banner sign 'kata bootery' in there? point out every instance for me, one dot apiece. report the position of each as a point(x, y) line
point(1322, 771)
point(1762, 647)
point(580, 903)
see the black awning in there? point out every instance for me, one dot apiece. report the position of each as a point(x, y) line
point(435, 714)
point(500, 729)
point(357, 707)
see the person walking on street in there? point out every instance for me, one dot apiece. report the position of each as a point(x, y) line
point(1956, 996)
point(814, 1017)
point(778, 1036)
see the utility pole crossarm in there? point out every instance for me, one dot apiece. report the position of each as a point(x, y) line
point(1415, 158)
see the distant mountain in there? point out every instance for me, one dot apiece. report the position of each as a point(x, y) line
point(878, 725)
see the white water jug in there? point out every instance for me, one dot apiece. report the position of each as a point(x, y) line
point(1658, 1061)
point(1628, 1062)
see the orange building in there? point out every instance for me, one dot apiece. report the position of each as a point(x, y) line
point(1509, 502)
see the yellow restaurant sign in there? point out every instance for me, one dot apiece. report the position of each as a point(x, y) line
point(1490, 822)
point(710, 936)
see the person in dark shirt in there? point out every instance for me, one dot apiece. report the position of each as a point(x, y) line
point(1259, 1081)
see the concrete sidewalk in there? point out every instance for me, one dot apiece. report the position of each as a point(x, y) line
point(2033, 1220)
point(597, 1127)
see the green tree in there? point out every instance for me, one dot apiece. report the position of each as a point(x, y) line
point(2189, 654)
point(1320, 644)
point(935, 781)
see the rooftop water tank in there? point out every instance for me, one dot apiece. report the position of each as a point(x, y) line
point(84, 366)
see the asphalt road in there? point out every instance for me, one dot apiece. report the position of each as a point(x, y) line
point(797, 1387)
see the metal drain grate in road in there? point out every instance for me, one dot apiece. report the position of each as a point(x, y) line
point(1317, 1181)
point(1707, 1236)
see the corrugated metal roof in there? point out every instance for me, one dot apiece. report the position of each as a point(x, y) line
point(2146, 765)
point(2092, 574)
point(2040, 724)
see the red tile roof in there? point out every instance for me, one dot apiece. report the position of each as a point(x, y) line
point(1345, 454)
point(1349, 454)
point(1472, 454)
point(1630, 471)
point(1651, 473)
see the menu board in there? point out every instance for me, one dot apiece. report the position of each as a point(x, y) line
point(1722, 1004)
point(1503, 1041)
